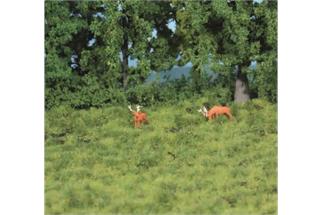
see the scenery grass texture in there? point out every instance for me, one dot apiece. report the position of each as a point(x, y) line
point(96, 162)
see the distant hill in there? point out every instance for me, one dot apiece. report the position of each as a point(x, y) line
point(178, 71)
point(175, 73)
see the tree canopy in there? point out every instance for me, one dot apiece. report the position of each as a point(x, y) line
point(88, 45)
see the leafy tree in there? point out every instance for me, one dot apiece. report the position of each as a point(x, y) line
point(60, 26)
point(88, 45)
point(126, 32)
point(197, 43)
point(265, 76)
point(228, 35)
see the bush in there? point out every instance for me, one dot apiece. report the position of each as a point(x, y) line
point(88, 91)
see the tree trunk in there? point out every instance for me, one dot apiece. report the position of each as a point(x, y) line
point(241, 87)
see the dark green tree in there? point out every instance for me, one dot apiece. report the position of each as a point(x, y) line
point(265, 76)
point(229, 35)
point(61, 26)
point(88, 45)
point(126, 32)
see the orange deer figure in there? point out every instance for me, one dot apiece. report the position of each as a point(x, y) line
point(216, 111)
point(138, 116)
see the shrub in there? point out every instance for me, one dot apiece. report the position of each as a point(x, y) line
point(88, 91)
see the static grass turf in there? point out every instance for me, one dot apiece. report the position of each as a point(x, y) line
point(97, 163)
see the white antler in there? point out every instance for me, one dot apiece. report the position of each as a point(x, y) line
point(138, 108)
point(204, 109)
point(130, 108)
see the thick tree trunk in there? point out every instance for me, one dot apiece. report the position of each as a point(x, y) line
point(241, 94)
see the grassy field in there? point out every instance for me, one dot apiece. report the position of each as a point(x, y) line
point(97, 163)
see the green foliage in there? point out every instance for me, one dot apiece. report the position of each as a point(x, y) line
point(265, 78)
point(90, 93)
point(97, 163)
point(213, 35)
point(233, 33)
point(60, 28)
point(219, 95)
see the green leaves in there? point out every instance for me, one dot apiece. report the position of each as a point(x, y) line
point(233, 33)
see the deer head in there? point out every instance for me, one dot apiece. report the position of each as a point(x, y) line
point(138, 108)
point(203, 111)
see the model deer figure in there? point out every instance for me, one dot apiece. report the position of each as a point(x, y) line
point(216, 111)
point(138, 116)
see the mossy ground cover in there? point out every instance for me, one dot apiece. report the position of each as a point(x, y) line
point(97, 163)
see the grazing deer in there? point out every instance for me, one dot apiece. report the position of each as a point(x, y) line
point(216, 111)
point(139, 117)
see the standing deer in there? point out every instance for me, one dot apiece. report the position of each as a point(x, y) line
point(216, 111)
point(139, 117)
